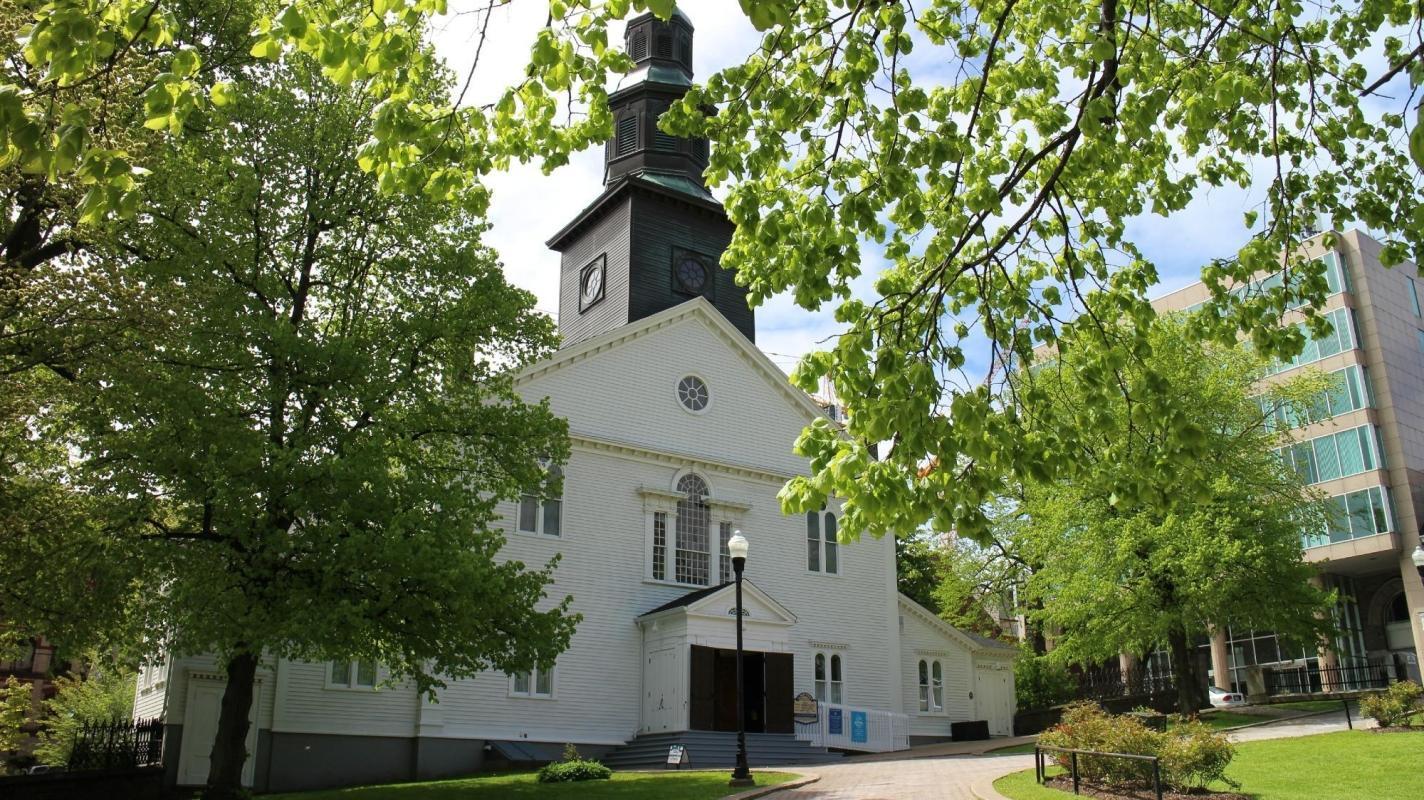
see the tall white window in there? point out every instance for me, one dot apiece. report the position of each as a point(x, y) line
point(693, 552)
point(352, 675)
point(536, 682)
point(822, 545)
point(830, 678)
point(659, 545)
point(931, 686)
point(724, 556)
point(542, 513)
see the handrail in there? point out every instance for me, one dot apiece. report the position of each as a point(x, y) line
point(1040, 768)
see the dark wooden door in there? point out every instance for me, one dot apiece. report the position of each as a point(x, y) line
point(779, 693)
point(726, 688)
point(701, 709)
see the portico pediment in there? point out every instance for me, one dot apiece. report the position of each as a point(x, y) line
point(720, 602)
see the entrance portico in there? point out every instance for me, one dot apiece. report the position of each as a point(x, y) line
point(689, 662)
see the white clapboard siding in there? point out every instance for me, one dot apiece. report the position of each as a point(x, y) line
point(921, 640)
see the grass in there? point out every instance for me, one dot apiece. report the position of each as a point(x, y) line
point(1229, 719)
point(1012, 750)
point(1308, 706)
point(1331, 766)
point(623, 786)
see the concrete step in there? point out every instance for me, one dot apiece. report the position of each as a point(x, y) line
point(717, 749)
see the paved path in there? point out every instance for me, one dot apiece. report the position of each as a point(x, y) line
point(947, 778)
point(936, 772)
point(1303, 726)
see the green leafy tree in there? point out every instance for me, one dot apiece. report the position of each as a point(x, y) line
point(1210, 540)
point(917, 566)
point(105, 694)
point(14, 713)
point(314, 423)
point(999, 198)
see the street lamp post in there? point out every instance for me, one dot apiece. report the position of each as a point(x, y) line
point(741, 776)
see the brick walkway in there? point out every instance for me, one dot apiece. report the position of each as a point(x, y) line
point(949, 778)
point(934, 773)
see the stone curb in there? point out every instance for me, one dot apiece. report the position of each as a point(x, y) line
point(1303, 715)
point(984, 790)
point(763, 791)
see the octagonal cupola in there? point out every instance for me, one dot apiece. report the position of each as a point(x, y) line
point(662, 51)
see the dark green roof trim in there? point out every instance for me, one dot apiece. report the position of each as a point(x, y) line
point(656, 183)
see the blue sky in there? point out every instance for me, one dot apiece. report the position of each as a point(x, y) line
point(528, 206)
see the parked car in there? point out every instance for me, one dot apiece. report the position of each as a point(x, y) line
point(1220, 698)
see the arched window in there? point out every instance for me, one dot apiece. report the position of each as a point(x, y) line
point(822, 548)
point(724, 556)
point(692, 553)
point(937, 686)
point(836, 680)
point(924, 685)
point(821, 677)
point(543, 513)
point(931, 686)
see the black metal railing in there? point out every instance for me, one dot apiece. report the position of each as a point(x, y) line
point(1107, 683)
point(1324, 680)
point(118, 744)
point(1040, 764)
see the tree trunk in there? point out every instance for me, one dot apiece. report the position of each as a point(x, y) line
point(1184, 673)
point(230, 743)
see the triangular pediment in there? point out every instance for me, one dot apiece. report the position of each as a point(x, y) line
point(720, 602)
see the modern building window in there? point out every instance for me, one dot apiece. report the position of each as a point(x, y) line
point(693, 553)
point(1335, 455)
point(822, 543)
point(536, 682)
point(1414, 296)
point(1341, 338)
point(1349, 390)
point(829, 678)
point(543, 514)
point(1353, 515)
point(931, 686)
point(352, 675)
point(1420, 336)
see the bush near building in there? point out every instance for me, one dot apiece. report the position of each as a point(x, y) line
point(574, 767)
point(1041, 683)
point(1400, 705)
point(1192, 756)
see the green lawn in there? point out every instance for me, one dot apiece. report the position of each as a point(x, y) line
point(623, 786)
point(1012, 750)
point(1331, 766)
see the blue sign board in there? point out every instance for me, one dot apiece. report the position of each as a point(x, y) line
point(835, 719)
point(857, 726)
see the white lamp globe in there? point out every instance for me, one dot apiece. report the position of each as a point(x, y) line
point(737, 546)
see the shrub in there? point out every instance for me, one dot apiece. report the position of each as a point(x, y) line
point(1040, 682)
point(1394, 706)
point(1191, 754)
point(569, 771)
point(1194, 756)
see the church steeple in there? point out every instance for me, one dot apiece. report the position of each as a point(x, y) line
point(654, 237)
point(663, 54)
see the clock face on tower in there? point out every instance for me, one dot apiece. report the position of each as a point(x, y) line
point(591, 284)
point(691, 274)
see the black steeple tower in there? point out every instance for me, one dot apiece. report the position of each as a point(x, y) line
point(653, 238)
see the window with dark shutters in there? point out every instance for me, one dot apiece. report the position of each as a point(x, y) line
point(663, 47)
point(686, 55)
point(638, 46)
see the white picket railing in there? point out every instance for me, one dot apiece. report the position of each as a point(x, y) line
point(864, 729)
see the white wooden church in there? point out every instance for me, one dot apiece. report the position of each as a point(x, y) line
point(682, 431)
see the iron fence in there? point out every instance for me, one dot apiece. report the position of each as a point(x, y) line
point(1040, 764)
point(117, 745)
point(1107, 683)
point(1324, 680)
